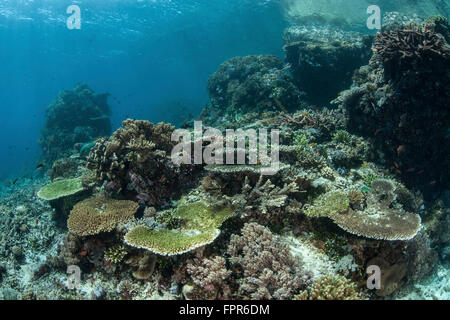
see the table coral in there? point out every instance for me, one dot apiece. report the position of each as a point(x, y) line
point(200, 227)
point(99, 214)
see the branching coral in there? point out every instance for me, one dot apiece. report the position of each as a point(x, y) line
point(208, 275)
point(269, 270)
point(136, 160)
point(331, 287)
point(263, 200)
point(99, 214)
point(410, 45)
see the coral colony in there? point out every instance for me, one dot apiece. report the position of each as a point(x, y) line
point(274, 192)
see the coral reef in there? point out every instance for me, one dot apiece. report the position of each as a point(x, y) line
point(75, 116)
point(400, 102)
point(250, 84)
point(322, 60)
point(135, 161)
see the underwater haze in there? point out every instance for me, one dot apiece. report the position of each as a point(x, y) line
point(147, 54)
point(335, 118)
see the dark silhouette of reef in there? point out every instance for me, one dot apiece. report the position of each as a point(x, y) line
point(401, 101)
point(76, 116)
point(322, 60)
point(251, 84)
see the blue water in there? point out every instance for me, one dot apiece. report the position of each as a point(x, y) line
point(154, 58)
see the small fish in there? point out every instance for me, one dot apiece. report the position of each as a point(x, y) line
point(83, 253)
point(108, 263)
point(432, 183)
point(313, 144)
point(40, 166)
point(271, 121)
point(421, 172)
point(411, 170)
point(396, 164)
point(398, 171)
point(401, 149)
point(15, 180)
point(378, 131)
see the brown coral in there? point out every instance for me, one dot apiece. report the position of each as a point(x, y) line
point(331, 287)
point(409, 45)
point(99, 214)
point(136, 161)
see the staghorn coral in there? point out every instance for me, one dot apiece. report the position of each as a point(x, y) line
point(263, 201)
point(268, 268)
point(409, 46)
point(330, 287)
point(208, 276)
point(200, 226)
point(135, 161)
point(99, 214)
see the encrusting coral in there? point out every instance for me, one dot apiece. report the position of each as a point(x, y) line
point(99, 214)
point(269, 270)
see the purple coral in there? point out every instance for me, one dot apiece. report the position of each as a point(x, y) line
point(269, 271)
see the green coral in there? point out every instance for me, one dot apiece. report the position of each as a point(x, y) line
point(302, 142)
point(342, 136)
point(328, 204)
point(116, 253)
point(60, 189)
point(200, 226)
